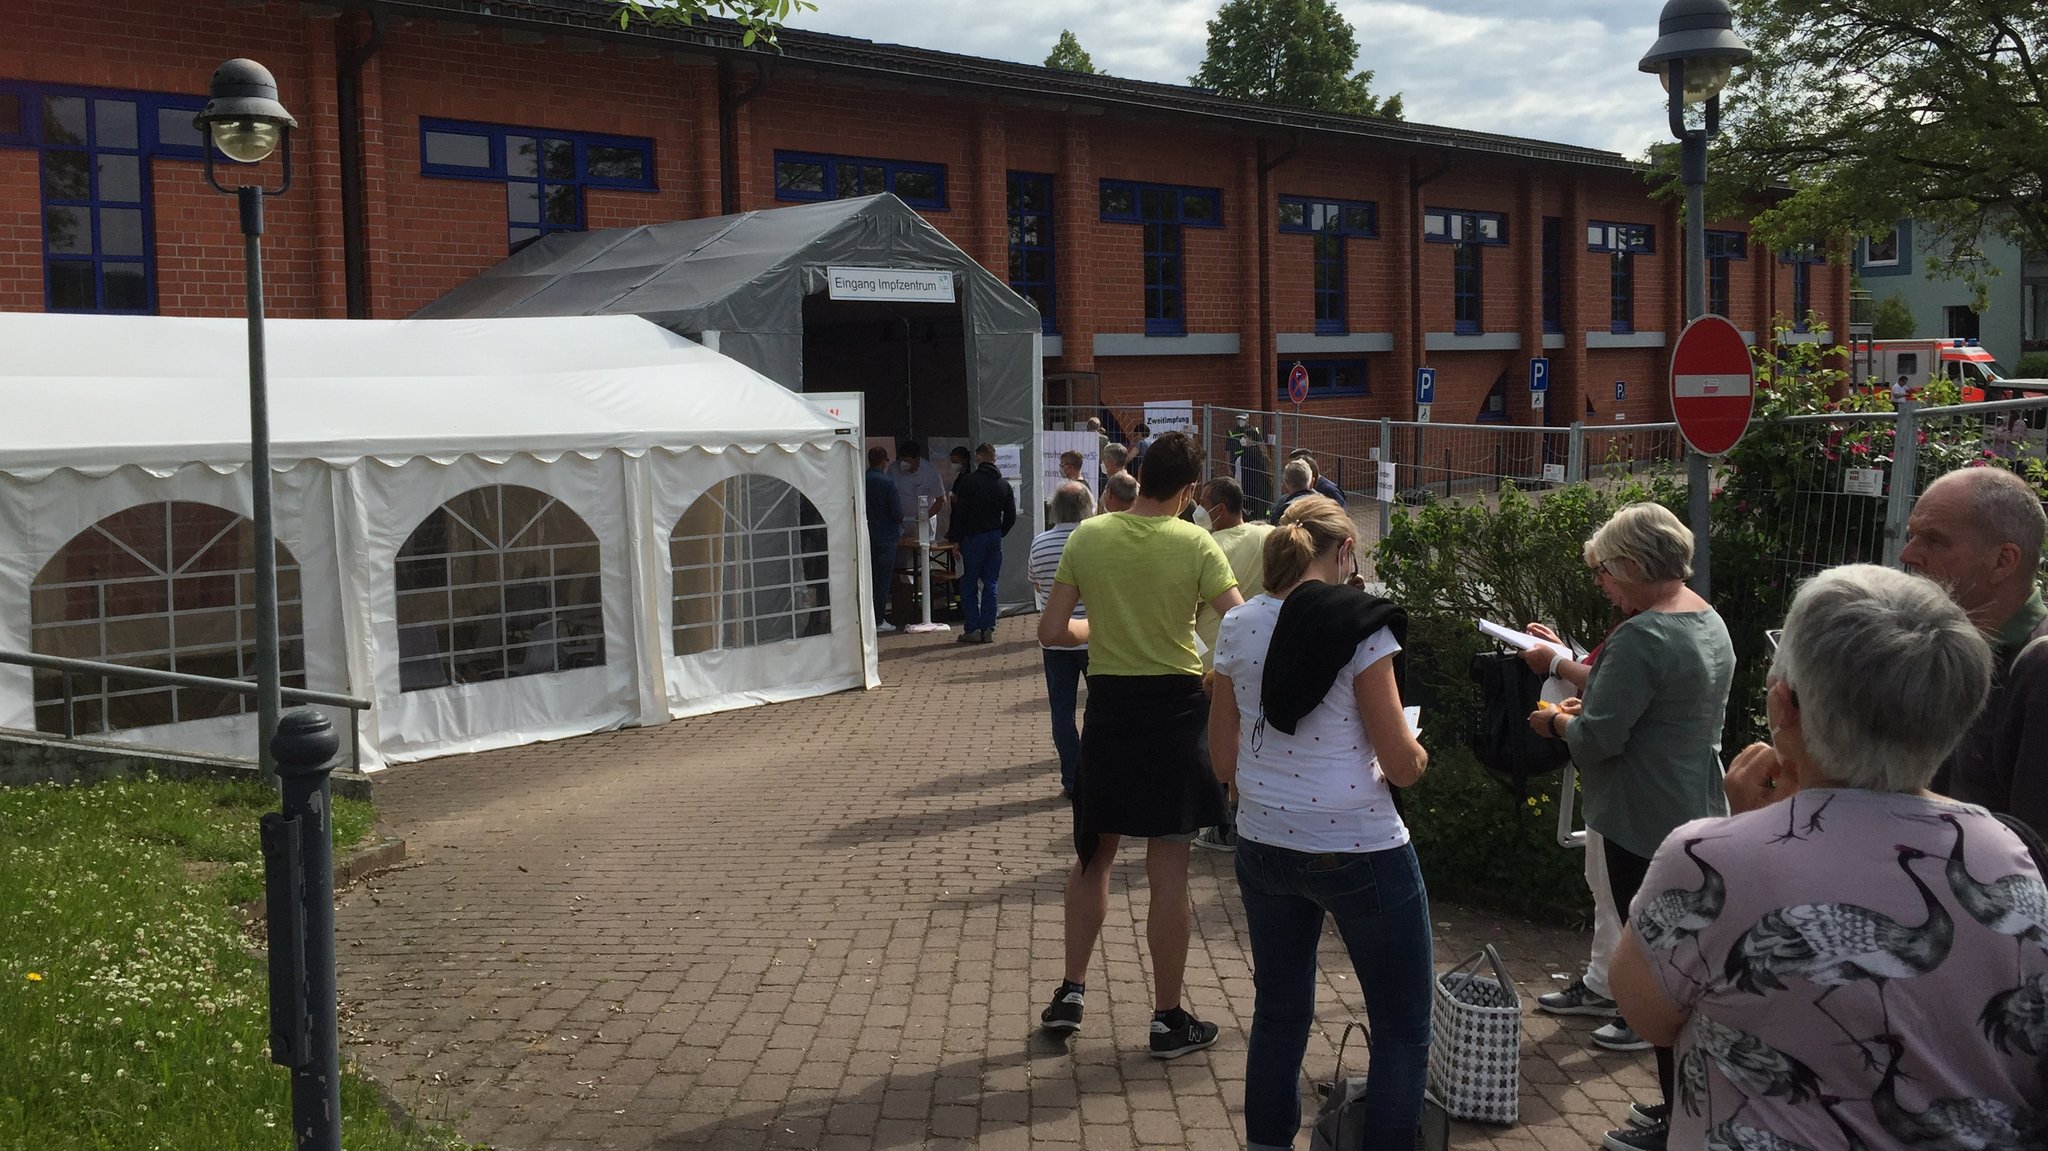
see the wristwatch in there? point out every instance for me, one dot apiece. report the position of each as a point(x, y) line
point(1554, 733)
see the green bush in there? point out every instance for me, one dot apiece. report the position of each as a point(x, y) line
point(1477, 846)
point(1892, 318)
point(2032, 366)
point(1451, 563)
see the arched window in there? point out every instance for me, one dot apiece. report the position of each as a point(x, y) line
point(169, 586)
point(751, 566)
point(498, 582)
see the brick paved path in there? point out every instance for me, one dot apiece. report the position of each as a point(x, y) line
point(827, 924)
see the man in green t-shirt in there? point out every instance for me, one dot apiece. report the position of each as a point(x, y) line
point(1144, 758)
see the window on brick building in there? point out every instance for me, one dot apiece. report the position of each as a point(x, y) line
point(544, 172)
point(1722, 248)
point(1329, 377)
point(1469, 233)
point(166, 586)
point(98, 217)
point(1622, 243)
point(1031, 256)
point(1331, 222)
point(808, 176)
point(1163, 210)
point(1802, 258)
point(500, 582)
point(1553, 274)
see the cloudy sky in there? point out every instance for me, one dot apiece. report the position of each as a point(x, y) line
point(1560, 70)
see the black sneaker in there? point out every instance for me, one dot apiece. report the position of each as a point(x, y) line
point(1065, 1012)
point(1646, 1114)
point(1575, 998)
point(1649, 1137)
point(1175, 1033)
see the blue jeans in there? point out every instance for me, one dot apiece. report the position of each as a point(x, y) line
point(981, 563)
point(1382, 914)
point(1064, 670)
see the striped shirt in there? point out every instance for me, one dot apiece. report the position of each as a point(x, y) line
point(1045, 562)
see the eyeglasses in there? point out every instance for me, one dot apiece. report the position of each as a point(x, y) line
point(1773, 636)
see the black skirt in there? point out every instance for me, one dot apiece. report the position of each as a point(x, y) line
point(1145, 761)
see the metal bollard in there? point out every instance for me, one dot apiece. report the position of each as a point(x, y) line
point(298, 860)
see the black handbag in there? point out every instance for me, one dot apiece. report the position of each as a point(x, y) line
point(1500, 735)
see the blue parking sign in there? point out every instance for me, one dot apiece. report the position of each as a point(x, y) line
point(1539, 374)
point(1620, 390)
point(1425, 385)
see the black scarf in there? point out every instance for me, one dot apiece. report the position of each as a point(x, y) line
point(1319, 630)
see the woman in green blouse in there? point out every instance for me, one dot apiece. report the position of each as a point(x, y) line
point(1646, 736)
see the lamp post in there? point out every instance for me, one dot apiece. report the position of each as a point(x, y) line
point(1696, 51)
point(246, 124)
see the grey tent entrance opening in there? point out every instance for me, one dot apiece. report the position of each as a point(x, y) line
point(755, 287)
point(908, 361)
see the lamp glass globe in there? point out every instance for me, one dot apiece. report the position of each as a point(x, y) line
point(1704, 79)
point(245, 141)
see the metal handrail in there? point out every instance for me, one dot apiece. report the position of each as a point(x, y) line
point(71, 667)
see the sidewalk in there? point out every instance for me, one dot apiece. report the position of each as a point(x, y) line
point(829, 924)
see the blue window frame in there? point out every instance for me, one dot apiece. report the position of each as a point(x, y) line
point(1360, 218)
point(1455, 226)
point(1622, 242)
point(814, 176)
point(1605, 237)
point(1468, 289)
point(1802, 259)
point(544, 171)
point(1329, 377)
point(1031, 255)
point(1330, 302)
point(1331, 222)
point(1722, 247)
point(1163, 210)
point(1468, 233)
point(1553, 274)
point(95, 147)
point(1621, 292)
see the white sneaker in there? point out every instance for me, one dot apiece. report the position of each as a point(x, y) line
point(886, 628)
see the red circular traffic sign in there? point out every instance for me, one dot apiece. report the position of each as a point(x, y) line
point(1713, 384)
point(1297, 384)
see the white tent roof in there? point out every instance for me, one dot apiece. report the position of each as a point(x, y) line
point(93, 393)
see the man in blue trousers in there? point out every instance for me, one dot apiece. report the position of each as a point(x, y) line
point(885, 529)
point(984, 511)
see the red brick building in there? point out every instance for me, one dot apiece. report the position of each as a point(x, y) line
point(1180, 245)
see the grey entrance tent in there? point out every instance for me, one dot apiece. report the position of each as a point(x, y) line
point(739, 285)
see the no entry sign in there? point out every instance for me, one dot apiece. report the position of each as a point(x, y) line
point(1712, 385)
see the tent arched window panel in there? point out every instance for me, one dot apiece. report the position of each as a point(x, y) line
point(169, 586)
point(499, 582)
point(751, 565)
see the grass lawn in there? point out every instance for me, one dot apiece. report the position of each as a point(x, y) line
point(133, 1012)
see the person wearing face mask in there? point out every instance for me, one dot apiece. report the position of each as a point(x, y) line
point(1144, 769)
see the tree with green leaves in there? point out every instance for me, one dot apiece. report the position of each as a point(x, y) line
point(1876, 111)
point(1892, 318)
point(759, 20)
point(1294, 53)
point(1069, 56)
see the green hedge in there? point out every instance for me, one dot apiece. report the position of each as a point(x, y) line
point(1451, 563)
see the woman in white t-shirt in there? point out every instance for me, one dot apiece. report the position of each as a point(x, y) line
point(1313, 744)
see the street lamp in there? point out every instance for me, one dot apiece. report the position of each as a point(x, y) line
point(1696, 51)
point(246, 123)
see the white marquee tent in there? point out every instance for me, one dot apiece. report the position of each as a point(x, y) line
point(499, 531)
